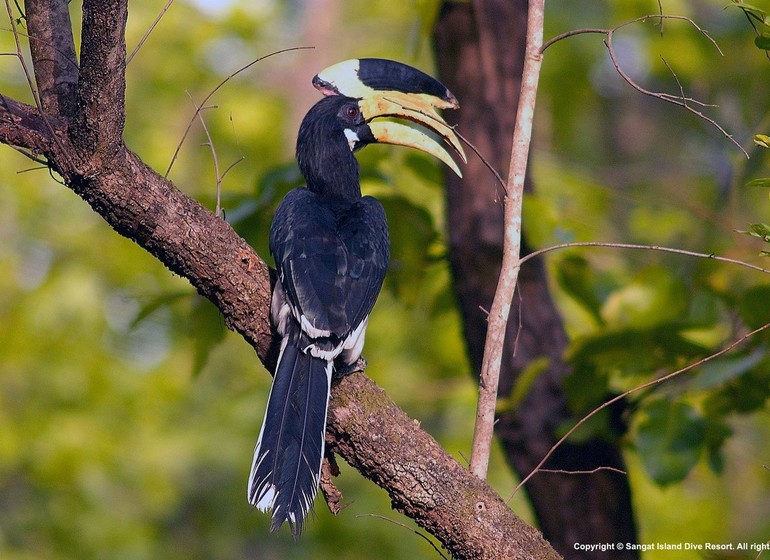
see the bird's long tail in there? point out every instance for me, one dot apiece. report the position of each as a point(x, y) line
point(287, 458)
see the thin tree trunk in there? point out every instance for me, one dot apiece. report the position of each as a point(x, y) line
point(479, 49)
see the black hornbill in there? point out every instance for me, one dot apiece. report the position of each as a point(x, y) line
point(331, 250)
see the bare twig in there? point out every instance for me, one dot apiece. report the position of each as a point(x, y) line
point(29, 155)
point(146, 35)
point(20, 55)
point(483, 159)
point(331, 493)
point(217, 88)
point(49, 127)
point(636, 389)
point(501, 304)
point(210, 143)
point(674, 250)
point(680, 100)
point(403, 526)
point(684, 252)
point(592, 471)
point(660, 11)
point(73, 62)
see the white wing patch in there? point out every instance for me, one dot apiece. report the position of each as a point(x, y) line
point(350, 348)
point(311, 330)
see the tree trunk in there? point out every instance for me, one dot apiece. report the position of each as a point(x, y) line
point(479, 50)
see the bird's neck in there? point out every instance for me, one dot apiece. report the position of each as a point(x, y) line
point(336, 178)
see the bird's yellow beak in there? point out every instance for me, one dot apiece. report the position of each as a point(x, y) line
point(386, 88)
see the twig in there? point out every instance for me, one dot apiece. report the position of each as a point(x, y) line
point(210, 143)
point(147, 33)
point(483, 159)
point(501, 304)
point(213, 91)
point(418, 533)
point(611, 245)
point(29, 155)
point(19, 54)
point(30, 38)
point(331, 493)
point(592, 471)
point(681, 100)
point(636, 389)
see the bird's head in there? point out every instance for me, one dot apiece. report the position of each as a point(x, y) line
point(330, 132)
point(358, 92)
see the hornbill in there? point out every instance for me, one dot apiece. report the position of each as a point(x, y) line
point(331, 251)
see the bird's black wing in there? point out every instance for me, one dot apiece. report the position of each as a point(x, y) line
point(331, 258)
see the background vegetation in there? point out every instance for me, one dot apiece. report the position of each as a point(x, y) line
point(128, 413)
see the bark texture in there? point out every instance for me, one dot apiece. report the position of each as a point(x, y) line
point(479, 49)
point(80, 133)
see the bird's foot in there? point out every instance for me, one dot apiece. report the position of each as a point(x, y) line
point(342, 369)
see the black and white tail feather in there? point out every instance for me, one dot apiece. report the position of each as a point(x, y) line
point(286, 467)
point(287, 459)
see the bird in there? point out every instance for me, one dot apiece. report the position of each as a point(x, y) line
point(331, 249)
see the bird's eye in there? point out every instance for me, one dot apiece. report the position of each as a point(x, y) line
point(351, 112)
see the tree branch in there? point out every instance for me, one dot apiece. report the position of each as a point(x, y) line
point(53, 55)
point(23, 126)
point(509, 273)
point(100, 99)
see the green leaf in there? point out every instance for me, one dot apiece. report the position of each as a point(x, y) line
point(762, 140)
point(156, 303)
point(760, 230)
point(410, 245)
point(750, 10)
point(586, 388)
point(207, 331)
point(762, 41)
point(763, 183)
point(717, 432)
point(630, 352)
point(754, 306)
point(576, 278)
point(526, 379)
point(743, 394)
point(717, 372)
point(654, 297)
point(670, 439)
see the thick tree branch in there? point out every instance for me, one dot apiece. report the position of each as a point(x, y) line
point(53, 55)
point(23, 126)
point(100, 100)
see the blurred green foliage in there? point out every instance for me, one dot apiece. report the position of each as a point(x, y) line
point(128, 413)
